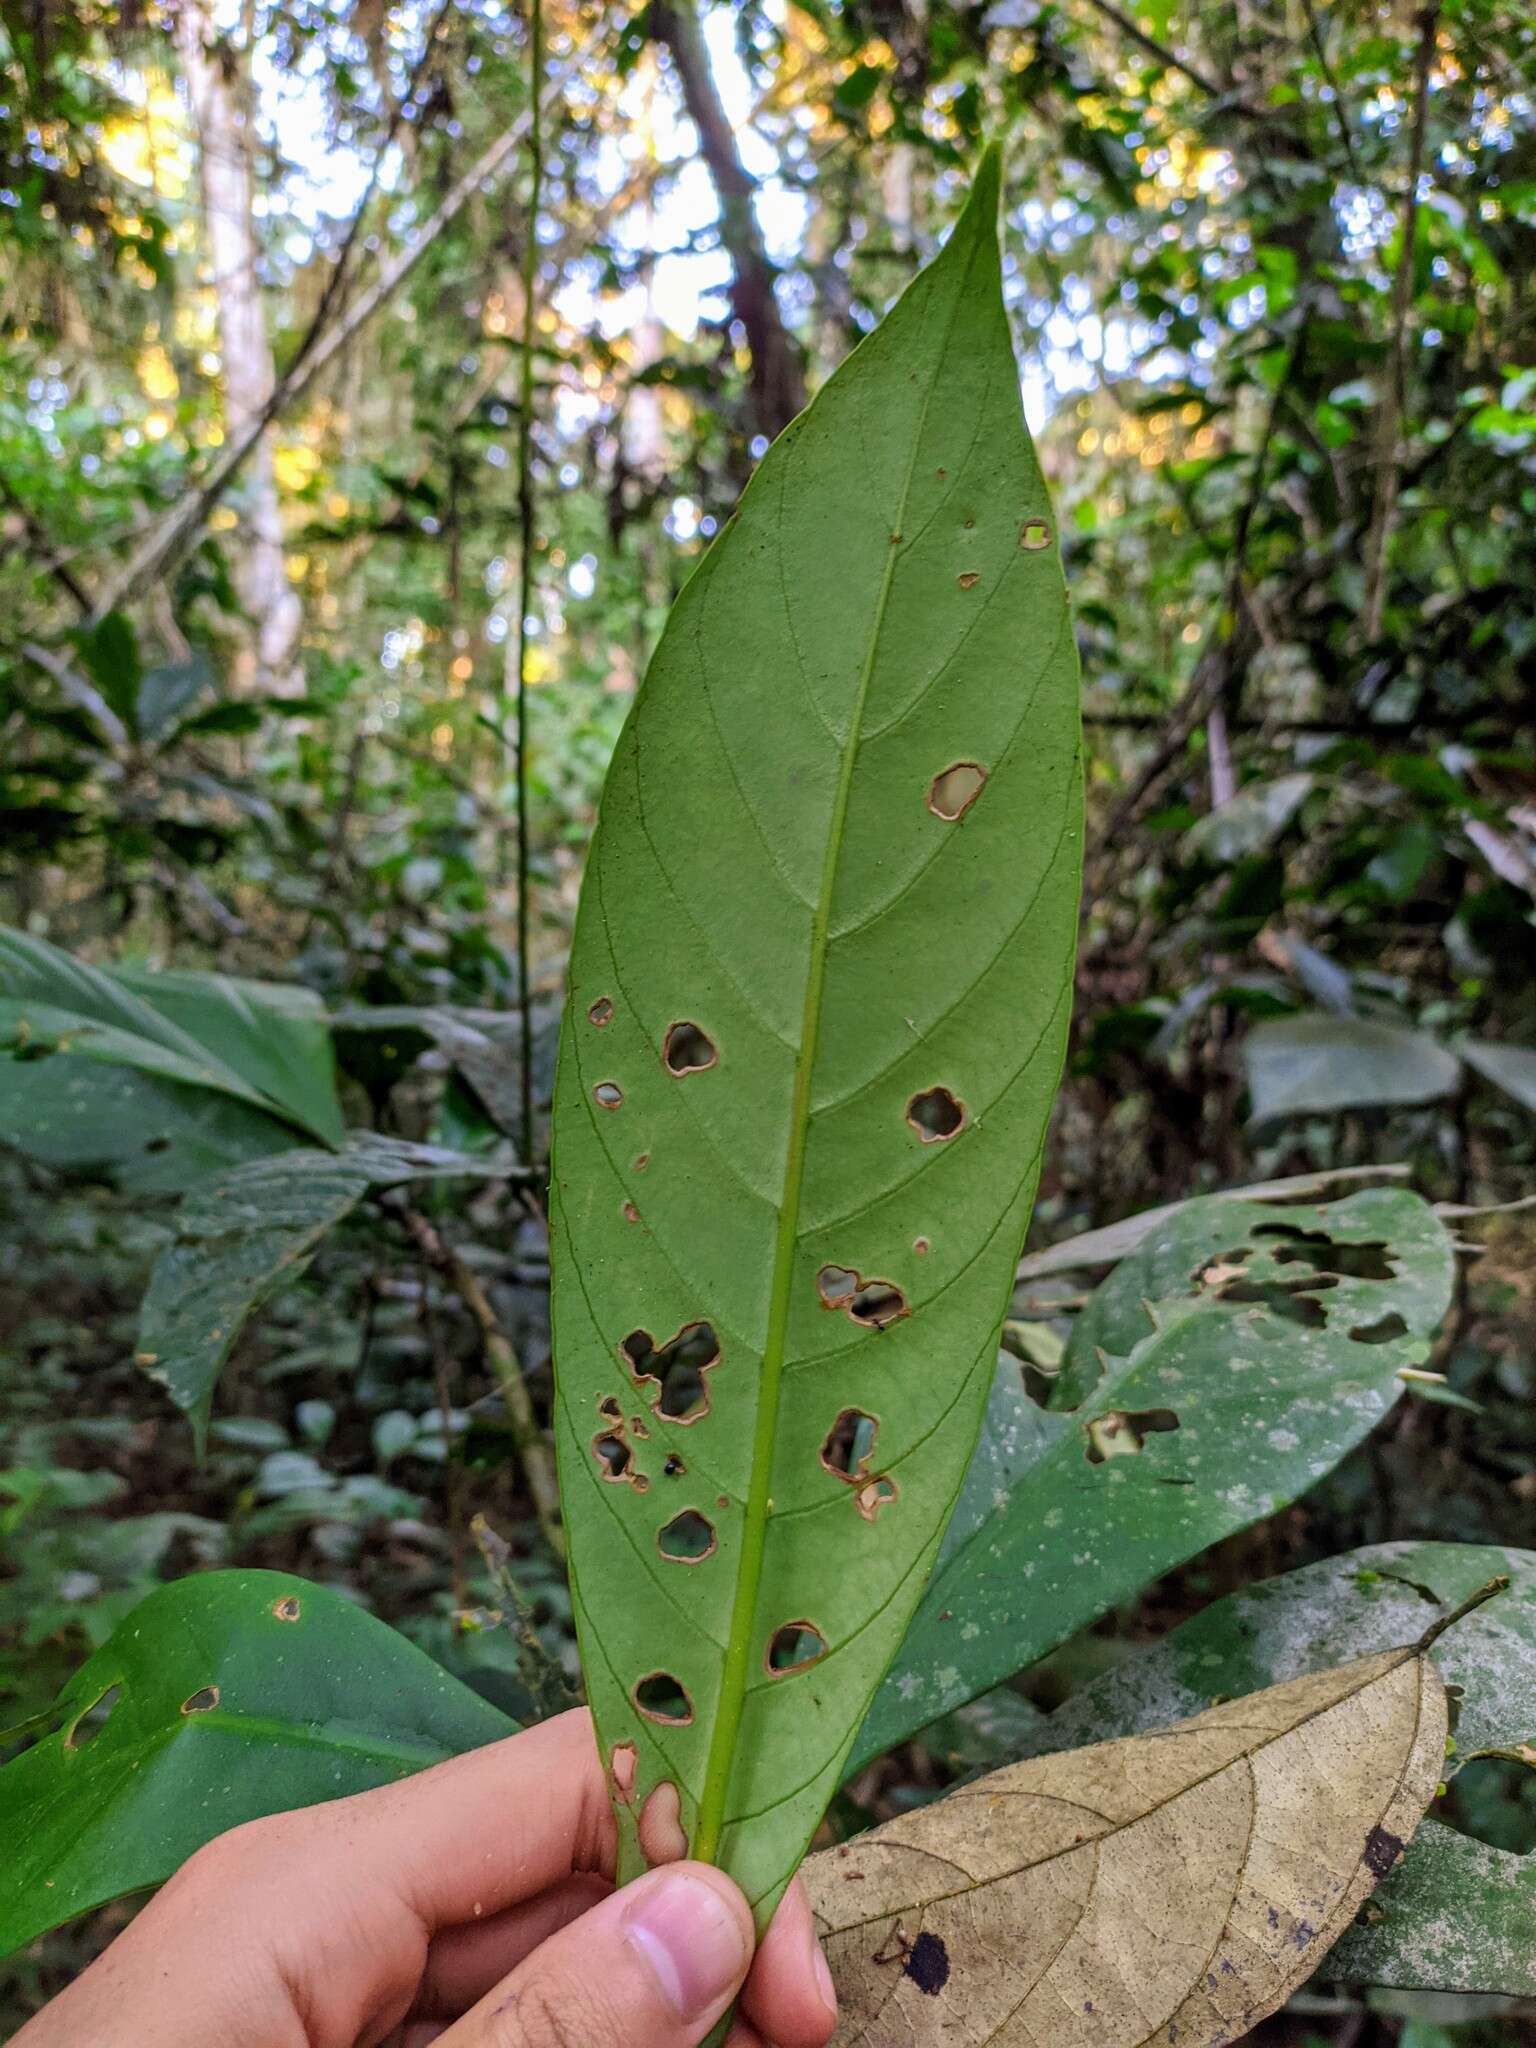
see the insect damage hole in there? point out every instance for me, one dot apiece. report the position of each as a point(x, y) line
point(1122, 1433)
point(1318, 1250)
point(875, 1494)
point(687, 1539)
point(289, 1608)
point(849, 1445)
point(955, 788)
point(677, 1367)
point(90, 1721)
point(1034, 535)
point(203, 1701)
point(795, 1646)
point(601, 1012)
point(687, 1049)
point(1383, 1331)
point(607, 1094)
point(661, 1697)
point(612, 1452)
point(935, 1114)
point(874, 1303)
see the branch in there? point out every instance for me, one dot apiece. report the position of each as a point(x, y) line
point(1160, 51)
point(501, 1356)
point(1390, 417)
point(165, 542)
point(778, 383)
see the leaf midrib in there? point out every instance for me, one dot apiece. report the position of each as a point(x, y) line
point(735, 1676)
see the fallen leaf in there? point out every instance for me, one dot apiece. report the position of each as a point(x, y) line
point(1172, 1887)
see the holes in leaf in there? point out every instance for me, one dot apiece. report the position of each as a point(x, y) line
point(1123, 1433)
point(921, 1246)
point(1293, 1301)
point(955, 788)
point(677, 1367)
point(935, 1114)
point(968, 580)
point(203, 1701)
point(874, 1303)
point(88, 1724)
point(642, 1161)
point(1493, 1799)
point(1382, 1331)
point(601, 1012)
point(688, 1050)
point(608, 1094)
point(875, 1494)
point(631, 1213)
point(849, 1443)
point(1035, 534)
point(794, 1647)
point(623, 1760)
point(661, 1697)
point(613, 1451)
point(289, 1608)
point(687, 1539)
point(609, 1408)
point(1318, 1250)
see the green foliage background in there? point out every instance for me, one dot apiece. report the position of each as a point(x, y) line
point(1269, 273)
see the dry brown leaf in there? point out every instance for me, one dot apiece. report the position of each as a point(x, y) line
point(1173, 1887)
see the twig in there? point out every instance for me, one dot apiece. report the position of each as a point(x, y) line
point(1473, 1601)
point(778, 384)
point(545, 1683)
point(163, 545)
point(1315, 35)
point(1160, 51)
point(531, 1444)
point(528, 537)
point(50, 563)
point(1390, 416)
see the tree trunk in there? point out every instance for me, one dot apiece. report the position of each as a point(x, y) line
point(221, 111)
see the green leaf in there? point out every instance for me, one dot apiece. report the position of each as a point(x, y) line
point(165, 694)
point(109, 652)
point(1457, 1914)
point(237, 1240)
point(275, 1035)
point(1242, 1357)
point(1511, 1068)
point(149, 1135)
point(789, 938)
point(49, 998)
point(1309, 1066)
point(226, 1696)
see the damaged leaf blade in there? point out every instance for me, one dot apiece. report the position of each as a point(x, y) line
point(1173, 1887)
point(818, 1001)
point(1240, 1353)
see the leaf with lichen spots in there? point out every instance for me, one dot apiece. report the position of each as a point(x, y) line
point(1173, 1887)
point(820, 983)
point(1218, 1373)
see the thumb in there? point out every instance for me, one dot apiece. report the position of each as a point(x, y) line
point(653, 1966)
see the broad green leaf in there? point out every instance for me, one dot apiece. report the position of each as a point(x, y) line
point(1168, 1888)
point(226, 1696)
point(819, 992)
point(50, 998)
point(246, 1233)
point(1245, 1349)
point(149, 1135)
point(1458, 1914)
point(1509, 1067)
point(238, 1238)
point(1309, 1066)
point(274, 1035)
point(1248, 823)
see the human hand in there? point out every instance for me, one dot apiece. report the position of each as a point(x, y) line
point(470, 1907)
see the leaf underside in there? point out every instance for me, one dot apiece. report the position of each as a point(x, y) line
point(1174, 1887)
point(818, 1000)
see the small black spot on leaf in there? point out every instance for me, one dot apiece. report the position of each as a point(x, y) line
point(1382, 1850)
point(927, 1963)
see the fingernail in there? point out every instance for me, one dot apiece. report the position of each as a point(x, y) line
point(688, 1938)
point(823, 1977)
